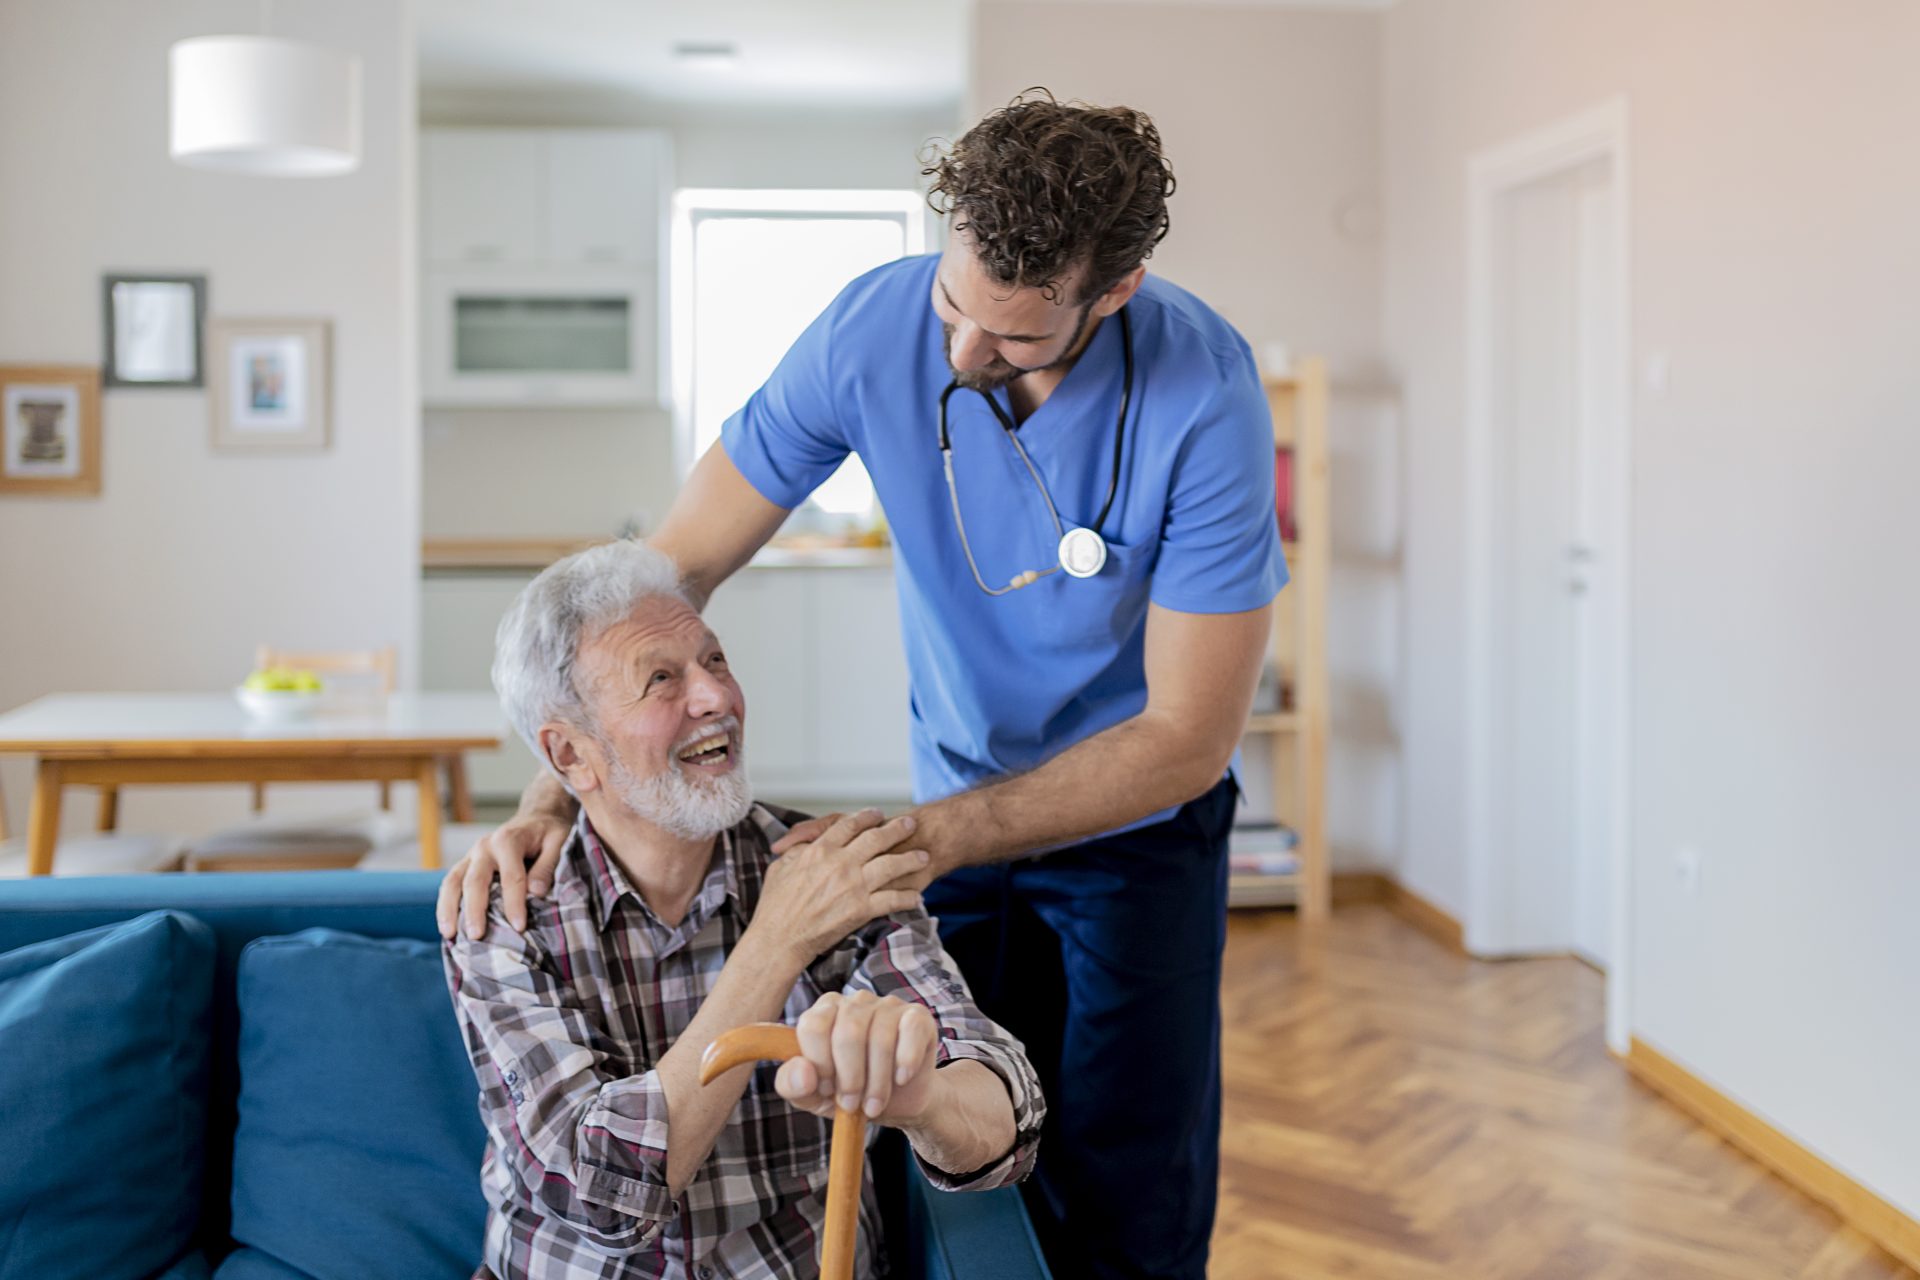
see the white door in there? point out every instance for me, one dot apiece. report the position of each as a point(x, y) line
point(1550, 407)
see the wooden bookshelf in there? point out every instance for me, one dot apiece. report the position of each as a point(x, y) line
point(1297, 736)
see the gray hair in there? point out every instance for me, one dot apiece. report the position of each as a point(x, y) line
point(570, 603)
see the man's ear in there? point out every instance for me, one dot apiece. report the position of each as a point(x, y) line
point(1121, 293)
point(573, 754)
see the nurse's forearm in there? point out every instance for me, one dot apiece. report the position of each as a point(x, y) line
point(1138, 767)
point(715, 525)
point(1201, 671)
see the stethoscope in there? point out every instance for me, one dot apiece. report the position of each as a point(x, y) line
point(1083, 552)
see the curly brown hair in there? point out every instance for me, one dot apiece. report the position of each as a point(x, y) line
point(1042, 186)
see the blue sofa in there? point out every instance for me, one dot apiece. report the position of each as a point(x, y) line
point(259, 1077)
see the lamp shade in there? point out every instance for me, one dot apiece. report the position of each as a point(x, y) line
point(260, 104)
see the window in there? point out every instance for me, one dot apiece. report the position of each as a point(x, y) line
point(751, 270)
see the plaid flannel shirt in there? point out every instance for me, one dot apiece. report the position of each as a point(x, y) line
point(565, 1022)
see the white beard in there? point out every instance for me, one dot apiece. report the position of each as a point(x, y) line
point(688, 806)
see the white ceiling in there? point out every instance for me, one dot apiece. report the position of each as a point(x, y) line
point(900, 53)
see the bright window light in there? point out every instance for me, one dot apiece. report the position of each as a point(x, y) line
point(751, 270)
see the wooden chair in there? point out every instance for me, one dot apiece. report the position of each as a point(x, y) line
point(307, 844)
point(456, 841)
point(335, 841)
point(110, 854)
point(116, 854)
point(378, 664)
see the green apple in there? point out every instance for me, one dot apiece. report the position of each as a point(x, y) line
point(283, 680)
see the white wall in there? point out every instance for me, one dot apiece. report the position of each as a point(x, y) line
point(1270, 117)
point(1776, 192)
point(542, 472)
point(188, 558)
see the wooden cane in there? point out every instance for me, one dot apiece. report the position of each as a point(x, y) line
point(770, 1040)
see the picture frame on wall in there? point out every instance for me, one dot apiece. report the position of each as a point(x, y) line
point(50, 433)
point(271, 384)
point(155, 329)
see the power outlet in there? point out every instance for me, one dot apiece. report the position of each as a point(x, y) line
point(1686, 868)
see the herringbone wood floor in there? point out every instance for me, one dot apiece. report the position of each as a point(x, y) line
point(1397, 1112)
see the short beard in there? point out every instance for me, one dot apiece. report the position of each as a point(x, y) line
point(1000, 372)
point(683, 805)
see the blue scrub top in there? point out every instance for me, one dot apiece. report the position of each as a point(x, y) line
point(1003, 684)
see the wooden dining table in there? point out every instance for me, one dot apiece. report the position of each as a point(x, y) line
point(113, 740)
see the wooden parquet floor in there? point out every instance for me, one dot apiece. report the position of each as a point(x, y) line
point(1398, 1112)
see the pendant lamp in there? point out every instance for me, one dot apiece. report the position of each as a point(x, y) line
point(265, 105)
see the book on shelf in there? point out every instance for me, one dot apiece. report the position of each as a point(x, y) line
point(1283, 492)
point(1263, 864)
point(1263, 848)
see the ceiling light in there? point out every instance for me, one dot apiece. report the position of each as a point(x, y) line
point(264, 105)
point(707, 55)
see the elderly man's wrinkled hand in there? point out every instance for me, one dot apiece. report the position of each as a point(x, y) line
point(819, 892)
point(915, 880)
point(865, 1053)
point(528, 838)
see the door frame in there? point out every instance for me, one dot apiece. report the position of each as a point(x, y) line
point(1492, 173)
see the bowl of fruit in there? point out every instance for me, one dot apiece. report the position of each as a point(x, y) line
point(279, 695)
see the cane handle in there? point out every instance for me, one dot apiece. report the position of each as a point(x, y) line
point(760, 1041)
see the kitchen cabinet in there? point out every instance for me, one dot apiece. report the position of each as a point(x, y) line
point(543, 267)
point(547, 197)
point(458, 615)
point(818, 653)
point(606, 193)
point(538, 337)
point(482, 196)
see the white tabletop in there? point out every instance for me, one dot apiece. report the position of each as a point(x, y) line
point(89, 719)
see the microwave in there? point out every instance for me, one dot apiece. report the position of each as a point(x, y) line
point(548, 336)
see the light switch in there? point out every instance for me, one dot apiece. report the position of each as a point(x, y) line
point(1658, 373)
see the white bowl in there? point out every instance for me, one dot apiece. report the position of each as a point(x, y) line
point(278, 706)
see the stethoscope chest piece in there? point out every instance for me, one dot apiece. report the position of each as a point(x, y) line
point(1083, 552)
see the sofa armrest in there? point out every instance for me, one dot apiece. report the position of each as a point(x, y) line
point(952, 1235)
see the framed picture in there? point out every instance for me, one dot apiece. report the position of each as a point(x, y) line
point(271, 383)
point(51, 433)
point(154, 327)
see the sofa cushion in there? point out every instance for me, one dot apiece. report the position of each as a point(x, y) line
point(192, 1267)
point(358, 1147)
point(103, 1086)
point(251, 1264)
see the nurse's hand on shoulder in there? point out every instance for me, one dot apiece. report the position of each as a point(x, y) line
point(523, 853)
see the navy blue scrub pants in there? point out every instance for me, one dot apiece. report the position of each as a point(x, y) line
point(1104, 959)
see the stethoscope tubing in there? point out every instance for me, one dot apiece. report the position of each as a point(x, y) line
point(1012, 433)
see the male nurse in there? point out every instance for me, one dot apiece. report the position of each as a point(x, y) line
point(1076, 461)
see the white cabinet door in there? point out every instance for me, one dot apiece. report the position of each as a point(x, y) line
point(818, 655)
point(860, 685)
point(484, 195)
point(604, 191)
point(458, 615)
point(761, 619)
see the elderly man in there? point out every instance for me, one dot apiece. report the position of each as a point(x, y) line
point(670, 922)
